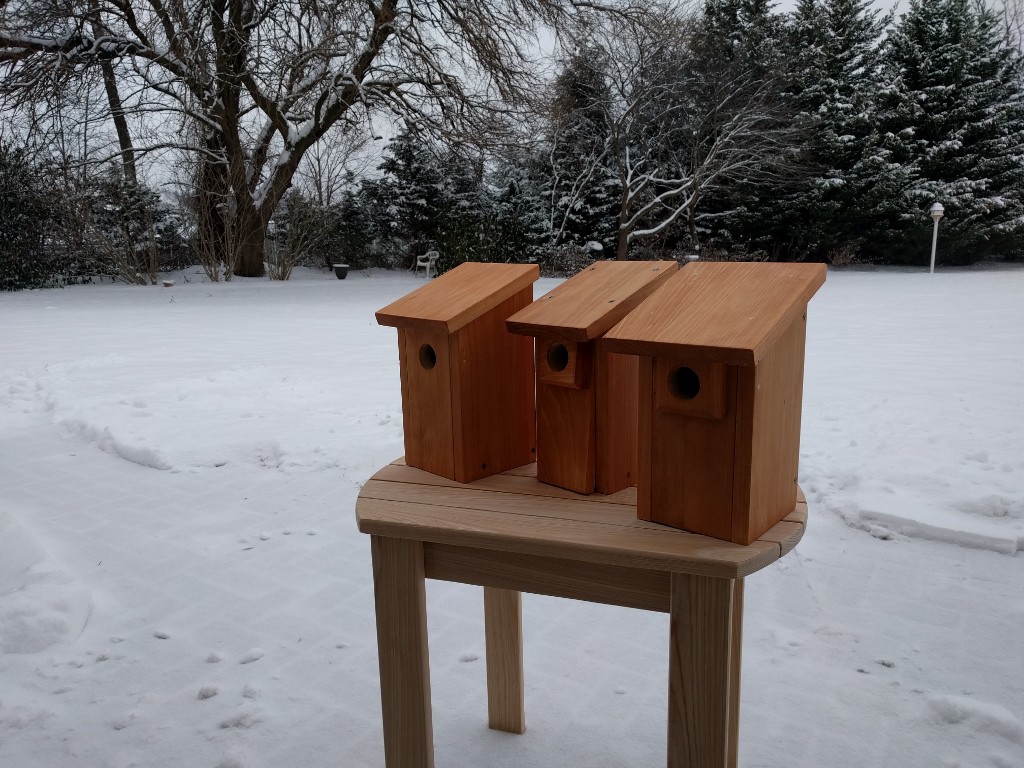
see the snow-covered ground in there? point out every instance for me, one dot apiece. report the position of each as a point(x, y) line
point(182, 582)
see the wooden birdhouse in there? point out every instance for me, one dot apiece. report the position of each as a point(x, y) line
point(467, 383)
point(721, 350)
point(586, 397)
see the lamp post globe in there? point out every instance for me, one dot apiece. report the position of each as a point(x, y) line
point(936, 212)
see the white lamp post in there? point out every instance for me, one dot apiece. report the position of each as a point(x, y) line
point(936, 213)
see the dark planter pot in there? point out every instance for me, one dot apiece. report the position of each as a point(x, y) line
point(340, 270)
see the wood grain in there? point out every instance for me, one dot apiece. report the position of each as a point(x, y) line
point(567, 437)
point(692, 467)
point(577, 374)
point(725, 312)
point(735, 670)
point(427, 402)
point(401, 609)
point(594, 582)
point(589, 303)
point(459, 296)
point(503, 632)
point(700, 672)
point(492, 390)
point(502, 514)
point(616, 383)
point(520, 480)
point(550, 536)
point(770, 398)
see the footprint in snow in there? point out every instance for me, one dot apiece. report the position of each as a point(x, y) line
point(468, 657)
point(207, 692)
point(253, 655)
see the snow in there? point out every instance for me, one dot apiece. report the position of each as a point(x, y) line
point(182, 583)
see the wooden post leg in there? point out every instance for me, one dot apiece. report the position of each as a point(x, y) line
point(734, 674)
point(503, 627)
point(701, 671)
point(400, 597)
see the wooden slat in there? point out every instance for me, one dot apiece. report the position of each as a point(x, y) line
point(571, 510)
point(459, 296)
point(700, 691)
point(609, 584)
point(503, 632)
point(786, 534)
point(521, 480)
point(402, 652)
point(725, 312)
point(663, 549)
point(588, 304)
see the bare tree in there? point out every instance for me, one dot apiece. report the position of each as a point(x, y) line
point(677, 128)
point(250, 86)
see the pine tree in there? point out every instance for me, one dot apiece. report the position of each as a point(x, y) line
point(833, 85)
point(955, 117)
point(412, 192)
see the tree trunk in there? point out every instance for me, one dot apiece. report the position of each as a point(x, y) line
point(124, 138)
point(250, 238)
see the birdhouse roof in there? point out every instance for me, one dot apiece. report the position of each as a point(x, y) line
point(585, 306)
point(459, 296)
point(720, 312)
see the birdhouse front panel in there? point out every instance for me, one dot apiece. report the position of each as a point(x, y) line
point(586, 413)
point(721, 349)
point(467, 383)
point(427, 403)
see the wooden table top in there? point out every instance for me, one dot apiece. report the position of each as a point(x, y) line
point(514, 512)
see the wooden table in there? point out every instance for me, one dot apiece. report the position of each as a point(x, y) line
point(511, 534)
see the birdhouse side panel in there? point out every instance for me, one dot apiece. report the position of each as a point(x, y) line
point(644, 436)
point(494, 416)
point(616, 390)
point(775, 389)
point(566, 437)
point(425, 366)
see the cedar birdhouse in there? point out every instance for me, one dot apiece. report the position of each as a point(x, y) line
point(586, 398)
point(467, 383)
point(721, 350)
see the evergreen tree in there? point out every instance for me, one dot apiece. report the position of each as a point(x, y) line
point(954, 115)
point(833, 85)
point(412, 191)
point(25, 219)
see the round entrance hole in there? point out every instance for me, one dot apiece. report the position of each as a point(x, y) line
point(558, 357)
point(428, 357)
point(684, 383)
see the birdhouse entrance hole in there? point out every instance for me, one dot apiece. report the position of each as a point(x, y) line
point(558, 357)
point(428, 357)
point(684, 383)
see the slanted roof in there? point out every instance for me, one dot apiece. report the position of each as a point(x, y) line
point(459, 296)
point(719, 312)
point(585, 306)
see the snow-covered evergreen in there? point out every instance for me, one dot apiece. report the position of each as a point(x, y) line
point(952, 119)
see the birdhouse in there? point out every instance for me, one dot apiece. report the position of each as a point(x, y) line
point(586, 397)
point(467, 383)
point(721, 356)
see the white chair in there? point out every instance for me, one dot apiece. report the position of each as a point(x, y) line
point(426, 262)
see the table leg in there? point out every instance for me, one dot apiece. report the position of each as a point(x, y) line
point(400, 597)
point(503, 627)
point(702, 664)
point(734, 674)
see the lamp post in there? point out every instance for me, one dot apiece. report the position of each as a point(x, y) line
point(936, 213)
